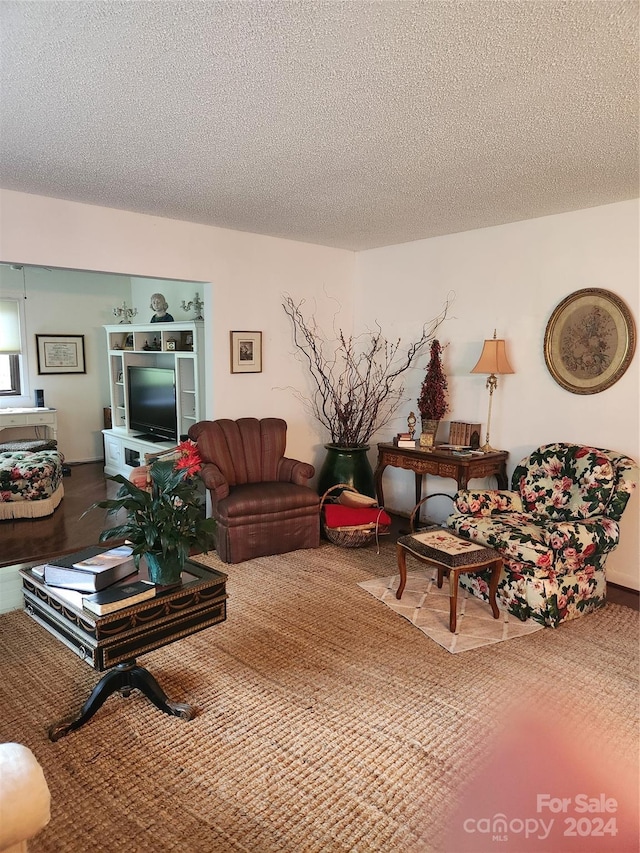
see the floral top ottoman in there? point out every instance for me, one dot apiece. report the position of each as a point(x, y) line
point(30, 483)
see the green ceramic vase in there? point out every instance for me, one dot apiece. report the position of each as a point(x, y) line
point(347, 465)
point(164, 569)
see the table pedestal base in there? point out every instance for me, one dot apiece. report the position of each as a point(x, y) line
point(124, 677)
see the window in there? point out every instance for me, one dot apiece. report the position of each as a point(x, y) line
point(11, 336)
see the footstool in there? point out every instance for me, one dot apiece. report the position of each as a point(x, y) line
point(451, 554)
point(30, 483)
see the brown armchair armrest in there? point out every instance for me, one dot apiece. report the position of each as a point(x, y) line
point(214, 480)
point(294, 471)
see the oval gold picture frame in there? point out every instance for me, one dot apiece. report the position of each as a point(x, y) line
point(589, 341)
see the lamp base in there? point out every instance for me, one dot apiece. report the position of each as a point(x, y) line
point(486, 448)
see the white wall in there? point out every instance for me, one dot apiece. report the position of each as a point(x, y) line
point(175, 292)
point(243, 278)
point(511, 278)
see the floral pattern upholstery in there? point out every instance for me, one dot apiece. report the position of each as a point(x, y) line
point(554, 529)
point(26, 476)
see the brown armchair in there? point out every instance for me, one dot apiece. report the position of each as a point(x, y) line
point(260, 499)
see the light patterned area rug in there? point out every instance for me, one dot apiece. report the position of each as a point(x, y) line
point(427, 607)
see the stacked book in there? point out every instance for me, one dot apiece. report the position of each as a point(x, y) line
point(116, 597)
point(95, 571)
point(462, 434)
point(403, 439)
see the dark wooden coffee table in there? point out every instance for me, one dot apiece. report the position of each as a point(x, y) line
point(112, 642)
point(470, 559)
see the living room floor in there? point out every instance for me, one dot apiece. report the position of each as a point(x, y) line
point(26, 540)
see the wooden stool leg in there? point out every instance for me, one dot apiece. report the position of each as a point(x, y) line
point(440, 577)
point(453, 600)
point(402, 568)
point(493, 587)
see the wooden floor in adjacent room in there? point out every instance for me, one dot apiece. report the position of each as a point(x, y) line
point(25, 539)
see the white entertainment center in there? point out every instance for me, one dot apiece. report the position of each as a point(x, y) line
point(178, 347)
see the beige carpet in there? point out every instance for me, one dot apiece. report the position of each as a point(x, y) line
point(325, 723)
point(427, 607)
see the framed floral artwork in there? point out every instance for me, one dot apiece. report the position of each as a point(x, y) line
point(246, 352)
point(589, 341)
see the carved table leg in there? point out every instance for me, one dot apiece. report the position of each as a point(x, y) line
point(501, 477)
point(124, 677)
point(402, 567)
point(453, 600)
point(418, 488)
point(493, 587)
point(377, 479)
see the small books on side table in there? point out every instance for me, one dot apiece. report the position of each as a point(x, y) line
point(403, 439)
point(90, 570)
point(463, 433)
point(117, 597)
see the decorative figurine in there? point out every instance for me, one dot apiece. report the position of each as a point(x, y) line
point(125, 313)
point(411, 423)
point(159, 304)
point(197, 304)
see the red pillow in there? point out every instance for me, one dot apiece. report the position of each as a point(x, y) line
point(336, 515)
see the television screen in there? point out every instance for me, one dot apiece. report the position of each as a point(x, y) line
point(152, 402)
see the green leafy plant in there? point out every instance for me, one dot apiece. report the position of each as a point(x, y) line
point(432, 402)
point(165, 514)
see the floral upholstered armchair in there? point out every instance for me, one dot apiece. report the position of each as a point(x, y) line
point(554, 530)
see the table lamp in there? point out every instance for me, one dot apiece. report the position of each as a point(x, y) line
point(493, 360)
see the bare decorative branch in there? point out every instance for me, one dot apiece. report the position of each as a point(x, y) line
point(357, 380)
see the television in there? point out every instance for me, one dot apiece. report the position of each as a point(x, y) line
point(152, 402)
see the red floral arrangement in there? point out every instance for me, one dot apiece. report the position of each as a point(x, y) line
point(432, 402)
point(163, 503)
point(189, 458)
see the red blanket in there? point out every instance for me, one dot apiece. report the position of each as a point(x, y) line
point(336, 515)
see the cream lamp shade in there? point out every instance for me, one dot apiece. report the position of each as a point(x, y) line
point(493, 358)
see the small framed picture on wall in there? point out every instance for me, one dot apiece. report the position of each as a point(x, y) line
point(60, 353)
point(246, 352)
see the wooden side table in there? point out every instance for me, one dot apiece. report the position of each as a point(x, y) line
point(474, 562)
point(440, 463)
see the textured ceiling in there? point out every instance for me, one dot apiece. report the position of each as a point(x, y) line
point(349, 124)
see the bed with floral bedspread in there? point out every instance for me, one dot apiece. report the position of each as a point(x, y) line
point(30, 483)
